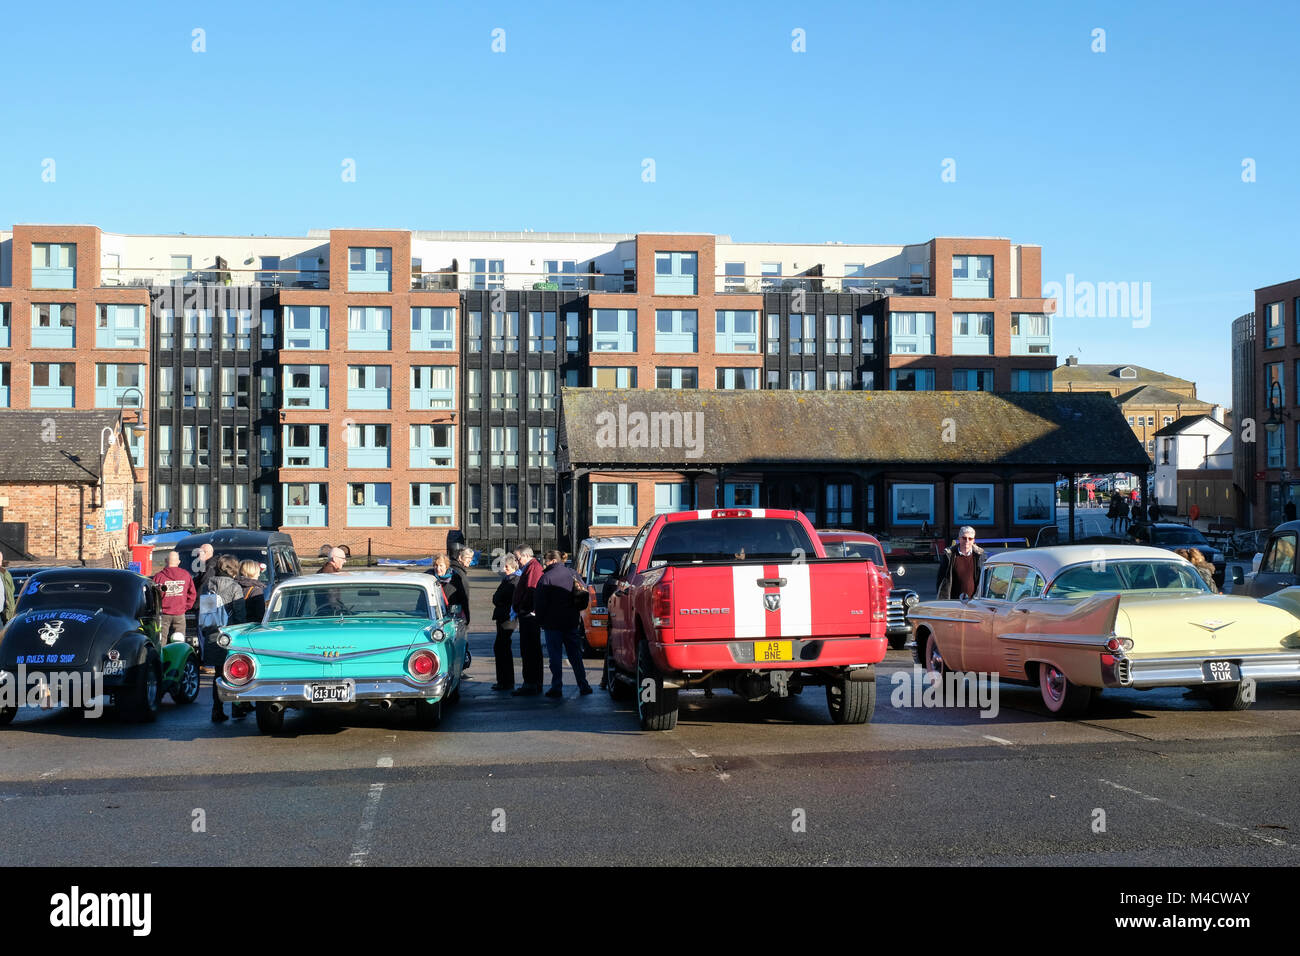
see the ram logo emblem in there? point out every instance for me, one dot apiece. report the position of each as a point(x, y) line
point(772, 602)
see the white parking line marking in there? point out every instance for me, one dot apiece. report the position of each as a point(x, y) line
point(695, 753)
point(1272, 841)
point(999, 740)
point(51, 773)
point(366, 832)
point(385, 761)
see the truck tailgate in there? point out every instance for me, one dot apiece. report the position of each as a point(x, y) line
point(810, 599)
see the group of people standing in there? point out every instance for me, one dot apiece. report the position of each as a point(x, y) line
point(540, 597)
point(1125, 509)
point(227, 591)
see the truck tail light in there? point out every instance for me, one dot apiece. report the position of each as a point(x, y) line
point(731, 513)
point(422, 665)
point(661, 608)
point(239, 669)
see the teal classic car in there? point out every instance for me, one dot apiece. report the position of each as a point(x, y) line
point(346, 640)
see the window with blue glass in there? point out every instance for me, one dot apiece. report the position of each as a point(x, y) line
point(677, 330)
point(541, 331)
point(1031, 380)
point(911, 333)
point(475, 332)
point(196, 329)
point(676, 273)
point(505, 503)
point(838, 339)
point(1274, 331)
point(112, 383)
point(54, 325)
point(370, 386)
point(268, 330)
point(563, 274)
point(433, 386)
point(855, 277)
point(1276, 445)
point(541, 503)
point(53, 384)
point(1031, 333)
point(370, 328)
point(541, 447)
point(54, 265)
point(802, 381)
point(972, 277)
point(432, 504)
point(503, 445)
point(672, 496)
point(4, 384)
point(541, 390)
point(613, 504)
point(307, 386)
point(119, 326)
point(613, 330)
point(369, 446)
point(433, 446)
point(737, 378)
point(972, 380)
point(505, 331)
point(572, 332)
point(770, 280)
point(473, 446)
point(613, 377)
point(912, 379)
point(307, 327)
point(773, 334)
point(306, 504)
point(370, 269)
point(487, 273)
point(838, 381)
point(733, 277)
point(306, 446)
point(867, 333)
point(972, 333)
point(6, 339)
point(369, 504)
point(677, 378)
point(236, 328)
point(1274, 384)
point(740, 494)
point(803, 334)
point(736, 331)
point(433, 330)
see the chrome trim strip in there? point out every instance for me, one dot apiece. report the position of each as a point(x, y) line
point(367, 688)
point(319, 658)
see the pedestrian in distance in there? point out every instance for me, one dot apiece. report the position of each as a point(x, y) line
point(559, 619)
point(1121, 509)
point(338, 557)
point(530, 631)
point(179, 595)
point(221, 604)
point(1153, 511)
point(203, 568)
point(1113, 512)
point(960, 566)
point(1288, 511)
point(250, 581)
point(504, 617)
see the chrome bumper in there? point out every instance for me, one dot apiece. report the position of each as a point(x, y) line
point(1187, 671)
point(367, 689)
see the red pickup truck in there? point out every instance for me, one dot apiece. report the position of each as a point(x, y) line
point(742, 598)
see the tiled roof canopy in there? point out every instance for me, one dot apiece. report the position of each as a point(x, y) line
point(1031, 430)
point(53, 445)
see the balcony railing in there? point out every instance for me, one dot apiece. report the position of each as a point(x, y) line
point(275, 278)
point(863, 285)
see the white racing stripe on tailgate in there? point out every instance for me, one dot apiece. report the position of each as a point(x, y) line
point(747, 602)
point(796, 600)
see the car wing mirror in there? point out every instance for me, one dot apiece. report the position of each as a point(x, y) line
point(1254, 562)
point(965, 599)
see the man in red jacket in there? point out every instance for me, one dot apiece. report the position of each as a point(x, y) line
point(178, 595)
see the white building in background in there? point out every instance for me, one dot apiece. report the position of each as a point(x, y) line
point(1192, 443)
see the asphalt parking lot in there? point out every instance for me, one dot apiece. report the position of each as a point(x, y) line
point(511, 780)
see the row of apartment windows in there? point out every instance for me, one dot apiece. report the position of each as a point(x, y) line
point(614, 504)
point(306, 504)
point(434, 386)
point(54, 326)
point(1274, 327)
point(367, 445)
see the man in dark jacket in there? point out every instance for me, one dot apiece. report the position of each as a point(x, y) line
point(559, 620)
point(530, 632)
point(960, 566)
point(504, 618)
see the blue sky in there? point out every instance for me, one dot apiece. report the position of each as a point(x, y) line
point(1124, 165)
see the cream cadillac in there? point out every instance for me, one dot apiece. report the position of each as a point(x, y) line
point(1079, 618)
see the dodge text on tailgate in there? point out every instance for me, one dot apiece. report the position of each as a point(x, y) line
point(744, 599)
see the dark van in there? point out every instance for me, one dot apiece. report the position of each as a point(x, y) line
point(273, 550)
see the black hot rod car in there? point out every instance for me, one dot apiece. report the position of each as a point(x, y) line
point(86, 633)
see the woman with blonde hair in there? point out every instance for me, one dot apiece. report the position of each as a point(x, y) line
point(1203, 567)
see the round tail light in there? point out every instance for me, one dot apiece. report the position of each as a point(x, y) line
point(239, 669)
point(422, 665)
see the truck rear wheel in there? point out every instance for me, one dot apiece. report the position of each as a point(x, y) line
point(618, 688)
point(656, 705)
point(851, 701)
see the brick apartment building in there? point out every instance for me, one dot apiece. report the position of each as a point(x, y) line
point(388, 389)
point(1266, 376)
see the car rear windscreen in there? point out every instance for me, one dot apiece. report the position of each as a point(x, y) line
point(776, 540)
